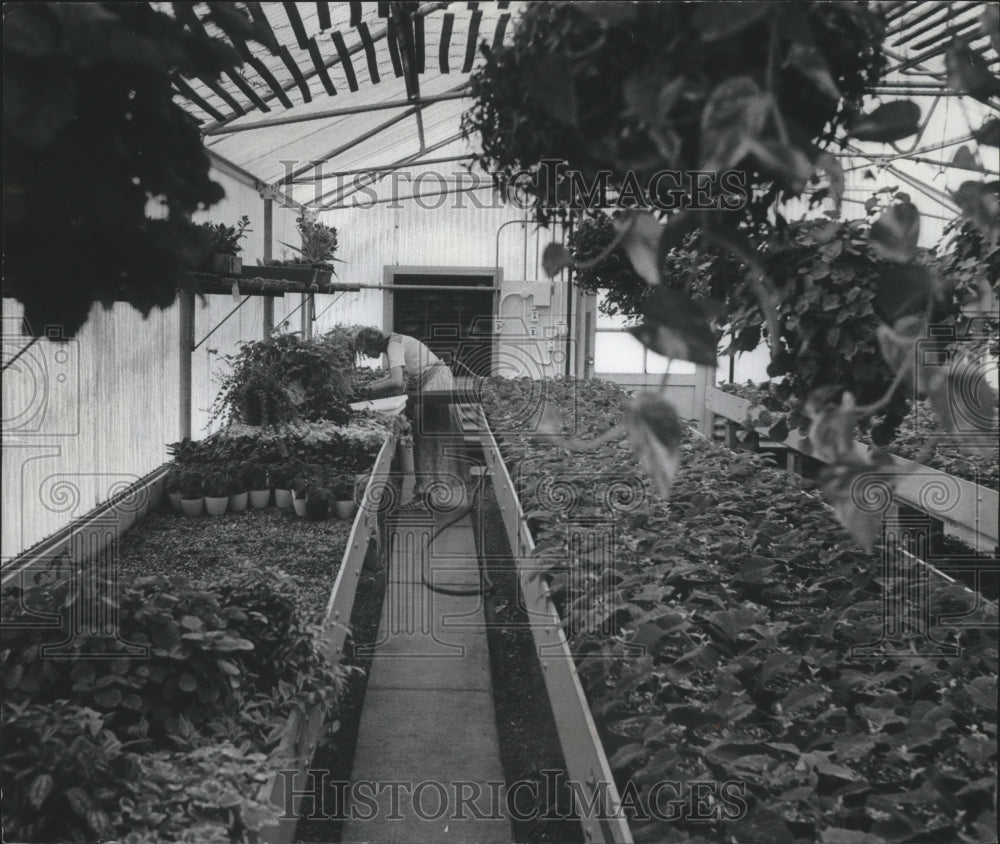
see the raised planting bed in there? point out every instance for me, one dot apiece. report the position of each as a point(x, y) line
point(155, 694)
point(754, 676)
point(966, 509)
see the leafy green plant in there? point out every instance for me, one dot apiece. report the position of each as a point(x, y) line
point(218, 481)
point(226, 239)
point(191, 483)
point(319, 245)
point(64, 772)
point(254, 475)
point(287, 378)
point(718, 642)
point(91, 117)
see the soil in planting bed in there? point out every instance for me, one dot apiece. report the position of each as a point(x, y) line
point(529, 743)
point(335, 753)
point(205, 548)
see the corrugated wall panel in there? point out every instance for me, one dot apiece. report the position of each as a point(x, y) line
point(84, 416)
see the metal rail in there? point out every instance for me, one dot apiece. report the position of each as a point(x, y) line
point(967, 510)
point(586, 762)
point(304, 728)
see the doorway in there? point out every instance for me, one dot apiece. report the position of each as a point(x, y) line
point(457, 325)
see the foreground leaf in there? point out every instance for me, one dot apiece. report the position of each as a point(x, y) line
point(890, 122)
point(894, 234)
point(655, 432)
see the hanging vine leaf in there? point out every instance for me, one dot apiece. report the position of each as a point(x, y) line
point(642, 244)
point(808, 60)
point(988, 133)
point(734, 115)
point(676, 328)
point(904, 289)
point(965, 159)
point(835, 176)
point(715, 21)
point(555, 258)
point(980, 204)
point(896, 343)
point(969, 73)
point(989, 22)
point(894, 235)
point(551, 82)
point(655, 432)
point(831, 433)
point(889, 122)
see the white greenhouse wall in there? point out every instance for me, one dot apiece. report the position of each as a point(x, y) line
point(82, 417)
point(457, 234)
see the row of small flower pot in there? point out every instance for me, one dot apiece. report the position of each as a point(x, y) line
point(316, 492)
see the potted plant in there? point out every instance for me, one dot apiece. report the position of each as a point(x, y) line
point(225, 243)
point(344, 506)
point(282, 477)
point(217, 485)
point(314, 259)
point(255, 480)
point(301, 487)
point(318, 504)
point(192, 491)
point(239, 489)
point(172, 483)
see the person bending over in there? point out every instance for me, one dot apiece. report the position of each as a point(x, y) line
point(411, 366)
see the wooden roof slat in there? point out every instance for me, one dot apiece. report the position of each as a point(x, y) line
point(272, 83)
point(247, 90)
point(369, 45)
point(446, 26)
point(320, 65)
point(345, 59)
point(418, 43)
point(911, 30)
point(383, 9)
point(323, 14)
point(470, 46)
point(397, 65)
point(189, 92)
point(936, 39)
point(260, 16)
point(355, 12)
point(905, 24)
point(293, 69)
point(224, 95)
point(298, 28)
point(500, 30)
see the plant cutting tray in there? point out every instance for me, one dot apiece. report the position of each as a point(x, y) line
point(391, 405)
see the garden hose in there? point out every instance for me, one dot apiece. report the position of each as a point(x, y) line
point(484, 578)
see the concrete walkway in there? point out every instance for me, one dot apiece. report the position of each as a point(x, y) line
point(427, 764)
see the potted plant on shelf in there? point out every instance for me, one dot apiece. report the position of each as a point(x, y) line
point(192, 491)
point(225, 244)
point(344, 506)
point(314, 258)
point(255, 480)
point(217, 485)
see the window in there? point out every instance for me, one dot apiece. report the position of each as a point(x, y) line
point(618, 352)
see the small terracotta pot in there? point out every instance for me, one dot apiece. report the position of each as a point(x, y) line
point(175, 501)
point(300, 507)
point(238, 502)
point(193, 506)
point(283, 498)
point(260, 498)
point(344, 509)
point(216, 506)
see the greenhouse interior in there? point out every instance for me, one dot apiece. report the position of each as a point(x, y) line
point(501, 422)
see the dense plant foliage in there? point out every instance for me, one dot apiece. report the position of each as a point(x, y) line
point(287, 378)
point(226, 239)
point(91, 134)
point(722, 636)
point(640, 88)
point(89, 725)
point(318, 247)
point(762, 91)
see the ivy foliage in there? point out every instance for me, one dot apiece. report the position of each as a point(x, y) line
point(288, 378)
point(764, 91)
point(91, 135)
point(638, 88)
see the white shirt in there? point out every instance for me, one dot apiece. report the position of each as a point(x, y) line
point(411, 354)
